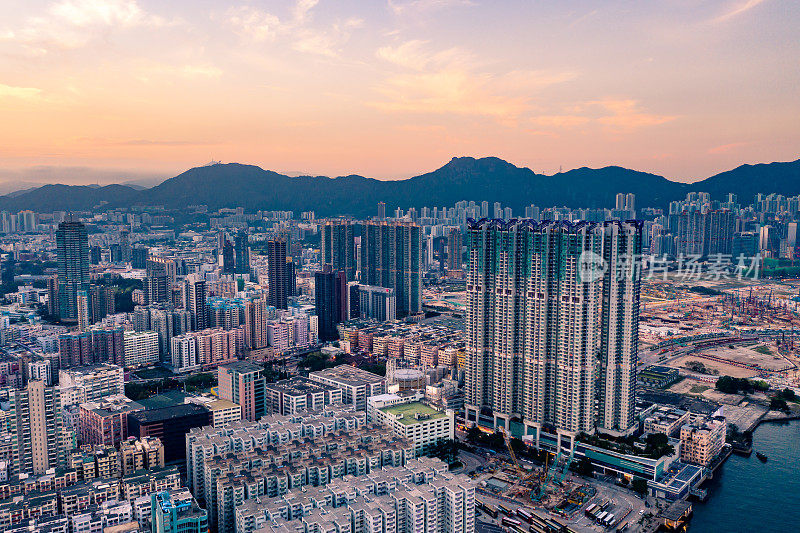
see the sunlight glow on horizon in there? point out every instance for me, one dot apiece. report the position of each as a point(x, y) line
point(396, 88)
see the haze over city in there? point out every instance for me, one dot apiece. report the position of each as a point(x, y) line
point(110, 91)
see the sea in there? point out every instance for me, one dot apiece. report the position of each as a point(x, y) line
point(747, 495)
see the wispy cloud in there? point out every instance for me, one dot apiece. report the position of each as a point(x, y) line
point(204, 71)
point(454, 81)
point(726, 148)
point(400, 7)
point(8, 91)
point(257, 25)
point(628, 115)
point(72, 24)
point(614, 115)
point(739, 8)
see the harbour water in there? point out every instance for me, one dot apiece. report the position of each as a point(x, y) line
point(747, 495)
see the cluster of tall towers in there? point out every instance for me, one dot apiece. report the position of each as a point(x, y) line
point(552, 325)
point(389, 255)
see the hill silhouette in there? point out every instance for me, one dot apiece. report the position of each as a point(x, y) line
point(462, 178)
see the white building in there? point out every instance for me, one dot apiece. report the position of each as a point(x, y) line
point(356, 384)
point(296, 395)
point(414, 420)
point(184, 354)
point(223, 412)
point(90, 383)
point(141, 348)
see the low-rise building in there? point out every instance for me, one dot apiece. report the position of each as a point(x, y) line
point(137, 454)
point(356, 384)
point(702, 441)
point(176, 511)
point(418, 422)
point(141, 348)
point(665, 419)
point(223, 412)
point(293, 395)
point(106, 421)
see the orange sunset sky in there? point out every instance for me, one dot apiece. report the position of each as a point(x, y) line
point(112, 90)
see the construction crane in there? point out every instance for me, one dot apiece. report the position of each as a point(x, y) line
point(523, 477)
point(538, 495)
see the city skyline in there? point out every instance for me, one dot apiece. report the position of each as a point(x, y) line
point(387, 89)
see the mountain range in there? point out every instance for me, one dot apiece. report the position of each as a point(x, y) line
point(463, 178)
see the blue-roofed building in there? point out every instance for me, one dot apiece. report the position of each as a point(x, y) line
point(174, 511)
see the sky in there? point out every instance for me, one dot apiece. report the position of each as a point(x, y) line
point(98, 91)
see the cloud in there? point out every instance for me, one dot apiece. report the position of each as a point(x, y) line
point(42, 174)
point(725, 148)
point(625, 115)
point(613, 115)
point(254, 24)
point(418, 6)
point(205, 71)
point(454, 81)
point(72, 24)
point(84, 13)
point(741, 7)
point(561, 121)
point(261, 26)
point(413, 55)
point(19, 92)
point(302, 8)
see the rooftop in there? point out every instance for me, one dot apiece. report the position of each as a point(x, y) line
point(243, 367)
point(411, 410)
point(299, 386)
point(349, 375)
point(168, 413)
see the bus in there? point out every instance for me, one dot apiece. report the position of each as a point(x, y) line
point(524, 514)
point(509, 522)
point(602, 516)
point(506, 509)
point(609, 520)
point(486, 508)
point(589, 510)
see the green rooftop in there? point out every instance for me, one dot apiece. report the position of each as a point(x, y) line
point(409, 410)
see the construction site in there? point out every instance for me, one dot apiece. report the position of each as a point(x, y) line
point(511, 486)
point(724, 328)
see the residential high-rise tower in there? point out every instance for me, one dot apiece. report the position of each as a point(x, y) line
point(72, 244)
point(552, 325)
point(338, 247)
point(391, 256)
point(276, 273)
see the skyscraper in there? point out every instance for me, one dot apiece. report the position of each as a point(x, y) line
point(291, 278)
point(454, 245)
point(276, 273)
point(242, 383)
point(195, 295)
point(34, 421)
point(326, 303)
point(338, 247)
point(242, 250)
point(552, 325)
point(228, 257)
point(391, 256)
point(381, 210)
point(72, 243)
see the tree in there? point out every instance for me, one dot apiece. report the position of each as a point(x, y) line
point(778, 404)
point(639, 485)
point(474, 435)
